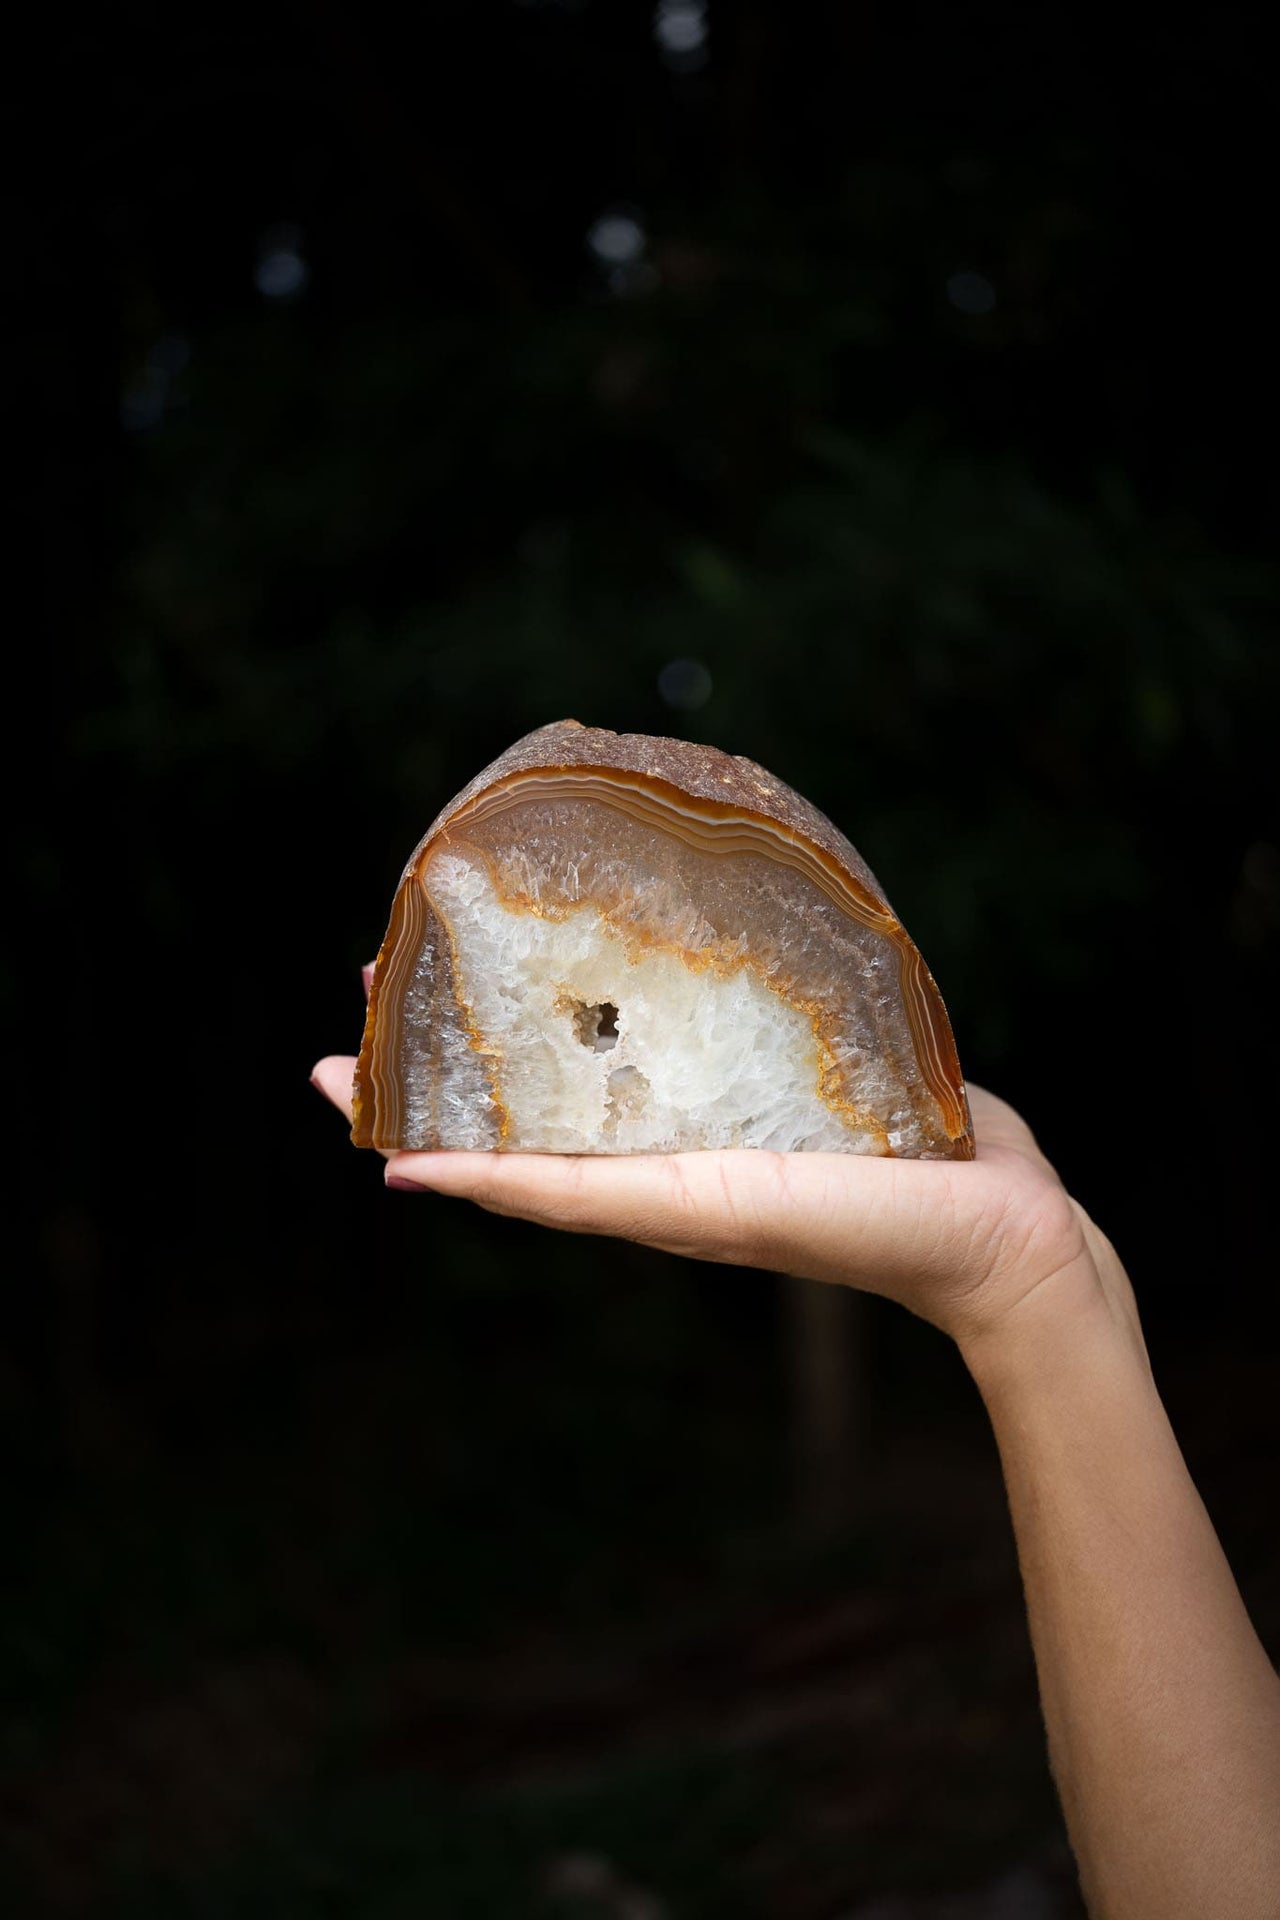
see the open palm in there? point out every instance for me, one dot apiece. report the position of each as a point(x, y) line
point(961, 1243)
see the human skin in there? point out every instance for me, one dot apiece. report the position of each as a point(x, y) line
point(1161, 1707)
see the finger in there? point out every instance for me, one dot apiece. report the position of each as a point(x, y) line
point(860, 1219)
point(334, 1076)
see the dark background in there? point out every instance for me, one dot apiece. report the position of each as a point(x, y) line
point(886, 396)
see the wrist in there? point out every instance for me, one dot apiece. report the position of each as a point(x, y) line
point(1082, 1316)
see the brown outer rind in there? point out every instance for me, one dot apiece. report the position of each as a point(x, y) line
point(703, 773)
point(706, 773)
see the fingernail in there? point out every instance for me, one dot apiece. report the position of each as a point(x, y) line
point(405, 1186)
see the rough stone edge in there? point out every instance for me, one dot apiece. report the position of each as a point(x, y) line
point(704, 773)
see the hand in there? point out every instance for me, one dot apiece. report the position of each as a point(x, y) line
point(964, 1244)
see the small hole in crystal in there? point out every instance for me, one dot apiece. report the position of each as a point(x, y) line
point(597, 1027)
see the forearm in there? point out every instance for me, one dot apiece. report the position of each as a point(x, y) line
point(1161, 1707)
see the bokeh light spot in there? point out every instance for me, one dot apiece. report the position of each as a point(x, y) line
point(617, 238)
point(685, 685)
point(282, 272)
point(971, 292)
point(150, 394)
point(680, 30)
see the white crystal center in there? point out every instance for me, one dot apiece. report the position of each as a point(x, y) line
point(601, 1044)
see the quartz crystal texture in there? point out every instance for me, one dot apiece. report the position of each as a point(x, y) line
point(610, 943)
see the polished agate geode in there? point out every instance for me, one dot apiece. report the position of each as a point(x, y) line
point(610, 943)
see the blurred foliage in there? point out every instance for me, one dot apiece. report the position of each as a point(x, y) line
point(391, 551)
